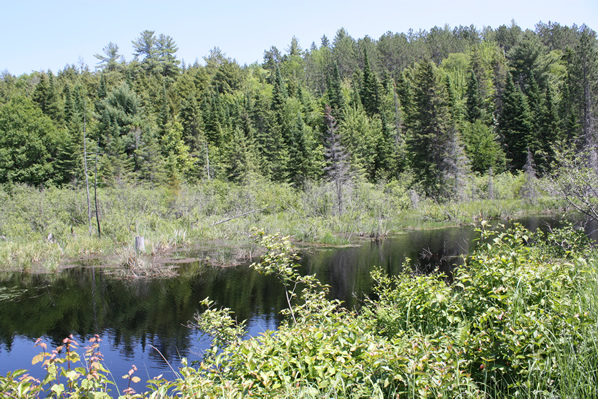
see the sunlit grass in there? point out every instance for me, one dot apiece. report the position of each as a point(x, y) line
point(219, 211)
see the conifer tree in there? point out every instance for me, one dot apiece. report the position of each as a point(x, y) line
point(69, 109)
point(550, 130)
point(536, 107)
point(452, 101)
point(166, 50)
point(279, 96)
point(176, 153)
point(241, 165)
point(583, 90)
point(145, 47)
point(405, 94)
point(191, 119)
point(361, 137)
point(335, 93)
point(474, 102)
point(111, 60)
point(45, 96)
point(298, 154)
point(369, 89)
point(431, 133)
point(163, 116)
point(515, 124)
point(103, 87)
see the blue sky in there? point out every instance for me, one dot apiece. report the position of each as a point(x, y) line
point(40, 35)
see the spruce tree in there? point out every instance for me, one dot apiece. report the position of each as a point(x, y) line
point(45, 96)
point(550, 129)
point(536, 108)
point(515, 124)
point(474, 103)
point(279, 97)
point(298, 154)
point(335, 93)
point(431, 132)
point(191, 119)
point(370, 97)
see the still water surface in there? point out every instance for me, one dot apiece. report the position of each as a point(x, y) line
point(143, 322)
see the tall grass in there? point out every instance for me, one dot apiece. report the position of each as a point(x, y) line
point(39, 227)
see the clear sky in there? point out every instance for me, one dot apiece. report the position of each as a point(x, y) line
point(40, 35)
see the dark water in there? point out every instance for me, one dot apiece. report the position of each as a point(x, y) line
point(142, 322)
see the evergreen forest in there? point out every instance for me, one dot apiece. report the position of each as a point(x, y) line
point(426, 108)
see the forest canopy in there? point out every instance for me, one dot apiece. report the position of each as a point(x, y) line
point(430, 107)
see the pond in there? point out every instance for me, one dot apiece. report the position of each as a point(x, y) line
point(143, 322)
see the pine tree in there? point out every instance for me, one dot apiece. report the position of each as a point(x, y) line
point(145, 46)
point(111, 60)
point(166, 49)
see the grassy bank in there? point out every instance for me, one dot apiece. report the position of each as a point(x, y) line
point(520, 319)
point(42, 228)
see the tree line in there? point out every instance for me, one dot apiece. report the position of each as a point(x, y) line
point(430, 107)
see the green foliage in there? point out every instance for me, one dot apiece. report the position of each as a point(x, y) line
point(505, 309)
point(432, 141)
point(67, 374)
point(425, 126)
point(482, 147)
point(515, 124)
point(29, 140)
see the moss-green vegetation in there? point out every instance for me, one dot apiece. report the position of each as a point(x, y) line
point(43, 228)
point(520, 319)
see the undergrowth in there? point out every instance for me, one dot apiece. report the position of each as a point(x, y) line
point(40, 228)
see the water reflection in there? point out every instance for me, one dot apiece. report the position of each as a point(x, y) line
point(132, 316)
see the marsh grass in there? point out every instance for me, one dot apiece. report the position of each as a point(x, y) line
point(134, 265)
point(215, 210)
